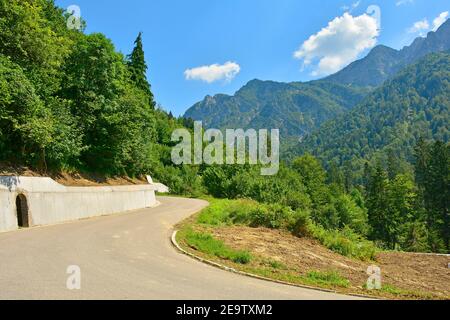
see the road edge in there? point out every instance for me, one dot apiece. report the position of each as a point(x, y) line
point(246, 274)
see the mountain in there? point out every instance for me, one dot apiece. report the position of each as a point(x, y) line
point(296, 108)
point(383, 62)
point(300, 108)
point(374, 69)
point(414, 104)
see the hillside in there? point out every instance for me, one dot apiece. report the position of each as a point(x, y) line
point(415, 104)
point(276, 253)
point(296, 108)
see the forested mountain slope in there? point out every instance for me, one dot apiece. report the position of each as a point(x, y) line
point(295, 108)
point(415, 104)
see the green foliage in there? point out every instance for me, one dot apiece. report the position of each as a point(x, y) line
point(345, 242)
point(351, 214)
point(432, 176)
point(273, 216)
point(251, 213)
point(311, 172)
point(26, 125)
point(71, 101)
point(391, 204)
point(34, 35)
point(246, 182)
point(207, 244)
point(183, 180)
point(114, 114)
point(414, 237)
point(248, 212)
point(406, 216)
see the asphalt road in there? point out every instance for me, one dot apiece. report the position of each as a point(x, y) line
point(126, 256)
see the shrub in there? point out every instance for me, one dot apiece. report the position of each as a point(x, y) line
point(301, 223)
point(414, 237)
point(345, 242)
point(272, 216)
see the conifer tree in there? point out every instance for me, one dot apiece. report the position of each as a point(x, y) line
point(377, 203)
point(438, 194)
point(138, 68)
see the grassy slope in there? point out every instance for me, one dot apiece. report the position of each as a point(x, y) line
point(209, 234)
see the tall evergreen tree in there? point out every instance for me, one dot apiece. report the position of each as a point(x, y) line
point(432, 176)
point(376, 203)
point(392, 164)
point(138, 68)
point(336, 176)
point(422, 155)
point(439, 189)
point(366, 178)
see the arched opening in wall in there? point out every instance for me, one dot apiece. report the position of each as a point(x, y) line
point(22, 211)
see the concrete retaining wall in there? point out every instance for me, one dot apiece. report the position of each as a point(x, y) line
point(51, 203)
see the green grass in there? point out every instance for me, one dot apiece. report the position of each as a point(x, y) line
point(206, 243)
point(394, 291)
point(216, 214)
point(326, 280)
point(330, 278)
point(274, 264)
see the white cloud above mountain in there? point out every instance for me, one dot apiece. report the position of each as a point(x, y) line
point(439, 20)
point(422, 27)
point(214, 72)
point(339, 43)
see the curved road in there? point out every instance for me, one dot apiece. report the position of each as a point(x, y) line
point(126, 256)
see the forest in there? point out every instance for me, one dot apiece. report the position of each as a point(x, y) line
point(69, 101)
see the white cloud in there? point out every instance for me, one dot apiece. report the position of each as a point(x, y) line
point(440, 20)
point(214, 72)
point(351, 7)
point(402, 2)
point(423, 26)
point(420, 27)
point(339, 44)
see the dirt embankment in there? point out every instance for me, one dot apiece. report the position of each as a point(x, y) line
point(426, 274)
point(72, 179)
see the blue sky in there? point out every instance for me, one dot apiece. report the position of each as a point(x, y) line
point(258, 38)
